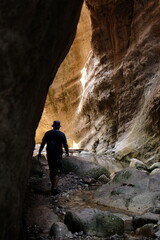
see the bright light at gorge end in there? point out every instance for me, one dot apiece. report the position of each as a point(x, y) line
point(83, 78)
point(75, 145)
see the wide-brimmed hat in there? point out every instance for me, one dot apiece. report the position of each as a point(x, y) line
point(56, 124)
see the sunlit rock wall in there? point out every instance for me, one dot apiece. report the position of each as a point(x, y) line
point(35, 36)
point(65, 92)
point(120, 105)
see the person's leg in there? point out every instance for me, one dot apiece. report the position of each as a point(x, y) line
point(56, 174)
point(55, 181)
point(55, 168)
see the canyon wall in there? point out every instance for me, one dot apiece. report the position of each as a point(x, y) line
point(119, 110)
point(65, 93)
point(34, 39)
point(109, 102)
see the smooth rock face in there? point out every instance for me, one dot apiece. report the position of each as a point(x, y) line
point(34, 38)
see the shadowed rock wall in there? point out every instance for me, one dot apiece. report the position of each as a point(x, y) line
point(65, 93)
point(120, 105)
point(34, 38)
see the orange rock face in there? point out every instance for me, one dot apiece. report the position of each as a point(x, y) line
point(117, 106)
point(65, 92)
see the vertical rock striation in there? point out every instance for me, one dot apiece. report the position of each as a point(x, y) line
point(34, 38)
point(65, 92)
point(120, 105)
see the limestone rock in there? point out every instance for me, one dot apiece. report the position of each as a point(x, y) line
point(130, 190)
point(35, 36)
point(141, 220)
point(103, 178)
point(154, 166)
point(94, 222)
point(36, 168)
point(135, 163)
point(155, 171)
point(97, 172)
point(38, 218)
point(65, 92)
point(147, 230)
point(120, 101)
point(60, 231)
point(128, 221)
point(117, 103)
point(157, 234)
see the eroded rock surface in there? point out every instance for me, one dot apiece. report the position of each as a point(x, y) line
point(34, 38)
point(120, 102)
point(117, 106)
point(132, 191)
point(65, 92)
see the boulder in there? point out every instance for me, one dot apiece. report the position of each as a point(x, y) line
point(84, 167)
point(94, 222)
point(128, 221)
point(148, 230)
point(131, 190)
point(103, 178)
point(60, 231)
point(97, 172)
point(137, 164)
point(154, 166)
point(41, 216)
point(36, 168)
point(155, 171)
point(141, 220)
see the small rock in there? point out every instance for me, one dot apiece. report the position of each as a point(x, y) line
point(135, 163)
point(103, 178)
point(156, 210)
point(155, 171)
point(148, 230)
point(60, 231)
point(128, 221)
point(157, 234)
point(117, 237)
point(154, 166)
point(144, 219)
point(88, 180)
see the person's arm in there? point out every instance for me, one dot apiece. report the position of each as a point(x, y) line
point(41, 147)
point(65, 145)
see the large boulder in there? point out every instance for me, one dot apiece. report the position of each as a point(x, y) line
point(130, 190)
point(94, 222)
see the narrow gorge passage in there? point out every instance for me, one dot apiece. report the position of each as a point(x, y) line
point(80, 186)
point(106, 94)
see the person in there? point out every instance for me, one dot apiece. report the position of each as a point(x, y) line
point(55, 140)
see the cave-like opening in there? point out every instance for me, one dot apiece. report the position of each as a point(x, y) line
point(65, 93)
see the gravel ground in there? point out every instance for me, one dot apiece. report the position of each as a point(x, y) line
point(41, 208)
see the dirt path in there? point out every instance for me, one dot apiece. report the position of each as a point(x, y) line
point(42, 209)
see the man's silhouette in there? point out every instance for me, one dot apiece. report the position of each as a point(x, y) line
point(55, 140)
